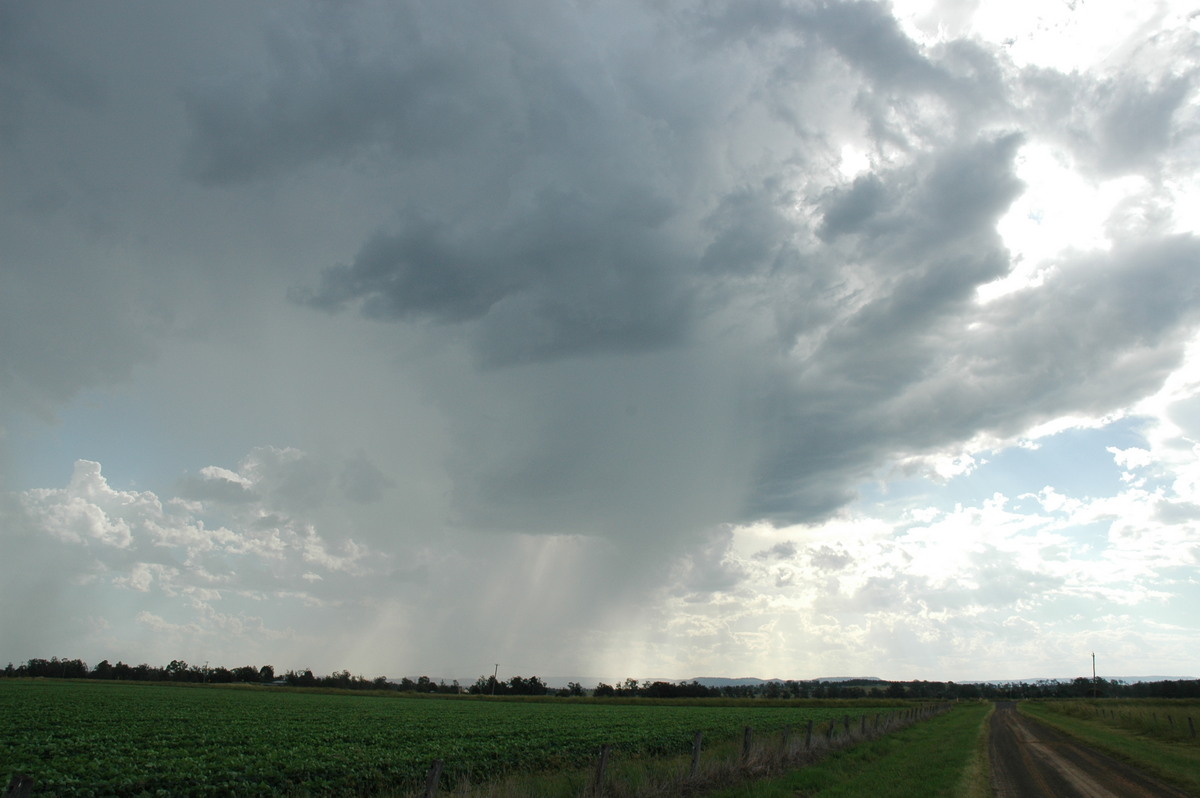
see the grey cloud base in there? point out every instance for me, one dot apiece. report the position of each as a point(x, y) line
point(553, 213)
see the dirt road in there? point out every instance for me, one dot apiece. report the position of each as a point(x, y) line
point(1032, 760)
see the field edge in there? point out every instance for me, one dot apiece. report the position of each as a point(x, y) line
point(1173, 763)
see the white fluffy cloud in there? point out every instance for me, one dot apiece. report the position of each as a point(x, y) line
point(186, 557)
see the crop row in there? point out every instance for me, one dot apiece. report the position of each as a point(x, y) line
point(81, 739)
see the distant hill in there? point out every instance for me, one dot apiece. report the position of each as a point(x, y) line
point(1124, 679)
point(720, 681)
point(590, 682)
point(587, 682)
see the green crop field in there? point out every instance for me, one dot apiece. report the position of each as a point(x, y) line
point(122, 739)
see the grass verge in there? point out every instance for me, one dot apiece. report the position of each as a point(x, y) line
point(976, 780)
point(1173, 762)
point(942, 756)
point(723, 764)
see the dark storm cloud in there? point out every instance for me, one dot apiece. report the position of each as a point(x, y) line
point(848, 209)
point(928, 243)
point(1137, 122)
point(32, 64)
point(1110, 327)
point(530, 191)
point(895, 73)
point(326, 104)
point(751, 231)
point(916, 364)
point(576, 273)
point(677, 310)
point(866, 35)
point(67, 328)
point(399, 86)
point(559, 258)
point(909, 247)
point(566, 261)
point(957, 194)
point(1103, 330)
point(362, 481)
point(1125, 122)
point(414, 273)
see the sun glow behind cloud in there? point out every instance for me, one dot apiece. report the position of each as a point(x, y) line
point(950, 577)
point(1065, 36)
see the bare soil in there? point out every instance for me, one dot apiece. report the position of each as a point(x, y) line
point(1032, 760)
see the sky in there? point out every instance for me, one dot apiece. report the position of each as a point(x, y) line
point(661, 339)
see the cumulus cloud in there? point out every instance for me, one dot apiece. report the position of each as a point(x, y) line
point(186, 557)
point(1133, 115)
point(88, 509)
point(953, 584)
point(217, 484)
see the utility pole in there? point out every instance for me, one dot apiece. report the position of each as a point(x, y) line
point(494, 678)
point(1095, 683)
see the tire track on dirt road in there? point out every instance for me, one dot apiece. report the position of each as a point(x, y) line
point(1032, 760)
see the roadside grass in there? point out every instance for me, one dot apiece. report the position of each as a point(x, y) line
point(1173, 719)
point(942, 756)
point(976, 780)
point(1172, 761)
point(725, 764)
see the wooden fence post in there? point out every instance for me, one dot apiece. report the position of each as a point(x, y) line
point(431, 781)
point(787, 738)
point(696, 753)
point(598, 786)
point(808, 736)
point(862, 726)
point(1192, 725)
point(747, 735)
point(846, 723)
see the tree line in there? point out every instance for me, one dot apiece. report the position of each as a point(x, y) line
point(181, 671)
point(176, 671)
